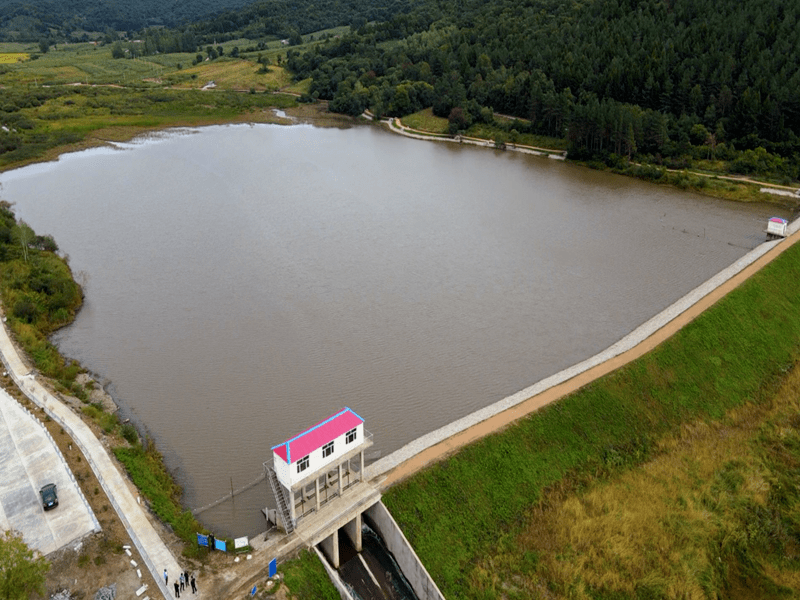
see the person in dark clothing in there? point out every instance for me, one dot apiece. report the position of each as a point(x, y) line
point(194, 586)
point(177, 590)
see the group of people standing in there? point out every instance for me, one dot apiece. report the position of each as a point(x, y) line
point(182, 582)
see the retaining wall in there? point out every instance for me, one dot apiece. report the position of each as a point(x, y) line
point(413, 570)
point(334, 576)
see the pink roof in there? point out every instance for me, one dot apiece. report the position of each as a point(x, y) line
point(317, 436)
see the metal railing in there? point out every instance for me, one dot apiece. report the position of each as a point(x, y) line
point(280, 499)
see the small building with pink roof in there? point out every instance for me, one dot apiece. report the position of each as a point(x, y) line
point(323, 453)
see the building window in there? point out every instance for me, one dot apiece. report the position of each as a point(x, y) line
point(327, 449)
point(350, 437)
point(302, 464)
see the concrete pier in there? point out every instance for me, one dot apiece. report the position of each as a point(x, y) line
point(340, 512)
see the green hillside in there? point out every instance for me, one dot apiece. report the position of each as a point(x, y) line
point(675, 83)
point(26, 21)
point(678, 84)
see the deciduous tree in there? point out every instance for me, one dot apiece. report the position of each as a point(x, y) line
point(22, 570)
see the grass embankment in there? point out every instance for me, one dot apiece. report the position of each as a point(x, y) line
point(39, 296)
point(717, 185)
point(714, 512)
point(145, 466)
point(426, 121)
point(306, 578)
point(476, 520)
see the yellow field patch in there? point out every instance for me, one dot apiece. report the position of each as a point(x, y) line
point(13, 57)
point(236, 75)
point(665, 525)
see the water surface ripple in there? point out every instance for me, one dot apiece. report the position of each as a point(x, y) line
point(243, 282)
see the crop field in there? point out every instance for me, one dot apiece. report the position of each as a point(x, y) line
point(88, 64)
point(12, 57)
point(76, 95)
point(231, 73)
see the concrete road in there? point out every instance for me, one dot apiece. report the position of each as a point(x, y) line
point(29, 459)
point(154, 552)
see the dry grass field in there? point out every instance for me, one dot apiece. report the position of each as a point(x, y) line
point(233, 74)
point(12, 57)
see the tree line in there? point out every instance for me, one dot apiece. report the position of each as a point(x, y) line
point(673, 79)
point(667, 81)
point(283, 19)
point(207, 21)
point(30, 21)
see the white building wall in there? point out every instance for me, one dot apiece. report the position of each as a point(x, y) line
point(281, 469)
point(288, 475)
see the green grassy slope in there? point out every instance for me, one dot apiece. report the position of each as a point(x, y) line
point(457, 511)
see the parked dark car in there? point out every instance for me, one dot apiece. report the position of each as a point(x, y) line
point(49, 496)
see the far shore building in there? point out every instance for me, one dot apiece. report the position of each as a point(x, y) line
point(319, 463)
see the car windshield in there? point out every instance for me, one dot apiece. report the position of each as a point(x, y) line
point(49, 493)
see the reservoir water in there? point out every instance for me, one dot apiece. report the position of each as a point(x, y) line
point(244, 282)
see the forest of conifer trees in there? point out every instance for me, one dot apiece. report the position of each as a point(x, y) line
point(662, 79)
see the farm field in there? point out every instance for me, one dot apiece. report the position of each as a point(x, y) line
point(12, 57)
point(79, 95)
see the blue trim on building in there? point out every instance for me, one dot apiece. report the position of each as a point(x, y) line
point(299, 435)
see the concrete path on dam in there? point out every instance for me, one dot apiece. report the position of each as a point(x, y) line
point(446, 440)
point(154, 552)
point(29, 459)
point(396, 125)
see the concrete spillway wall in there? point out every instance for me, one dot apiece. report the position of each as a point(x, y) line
point(344, 593)
point(413, 570)
point(382, 522)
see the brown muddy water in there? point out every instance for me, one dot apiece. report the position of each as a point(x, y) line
point(244, 282)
